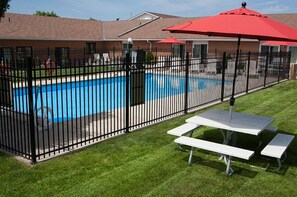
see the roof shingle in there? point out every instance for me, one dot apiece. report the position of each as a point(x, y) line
point(21, 26)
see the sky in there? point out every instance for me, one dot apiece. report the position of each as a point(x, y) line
point(108, 10)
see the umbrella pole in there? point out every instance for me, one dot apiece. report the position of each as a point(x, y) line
point(232, 99)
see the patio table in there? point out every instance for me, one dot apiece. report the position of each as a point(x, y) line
point(239, 123)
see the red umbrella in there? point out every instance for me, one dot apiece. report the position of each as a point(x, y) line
point(171, 40)
point(280, 43)
point(239, 23)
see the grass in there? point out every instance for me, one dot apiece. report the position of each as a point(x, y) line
point(40, 73)
point(148, 163)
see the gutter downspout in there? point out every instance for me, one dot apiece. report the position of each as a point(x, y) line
point(150, 45)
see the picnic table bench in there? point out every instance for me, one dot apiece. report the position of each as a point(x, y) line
point(277, 147)
point(227, 151)
point(183, 129)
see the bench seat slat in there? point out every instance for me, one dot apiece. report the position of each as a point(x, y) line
point(215, 147)
point(277, 146)
point(183, 129)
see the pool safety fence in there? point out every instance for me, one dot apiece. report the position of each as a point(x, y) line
point(51, 106)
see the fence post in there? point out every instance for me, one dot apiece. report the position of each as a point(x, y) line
point(31, 111)
point(127, 92)
point(248, 73)
point(187, 83)
point(279, 66)
point(223, 76)
point(266, 68)
point(84, 64)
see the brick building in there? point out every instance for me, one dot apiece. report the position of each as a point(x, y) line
point(63, 39)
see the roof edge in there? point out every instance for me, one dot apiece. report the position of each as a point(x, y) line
point(134, 28)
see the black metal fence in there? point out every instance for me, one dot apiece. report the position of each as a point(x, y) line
point(48, 109)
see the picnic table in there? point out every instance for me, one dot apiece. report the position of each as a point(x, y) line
point(239, 123)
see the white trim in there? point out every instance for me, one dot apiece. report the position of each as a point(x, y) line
point(143, 13)
point(200, 42)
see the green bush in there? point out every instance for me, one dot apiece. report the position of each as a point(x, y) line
point(149, 57)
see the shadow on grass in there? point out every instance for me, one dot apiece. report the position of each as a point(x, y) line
point(220, 165)
point(272, 168)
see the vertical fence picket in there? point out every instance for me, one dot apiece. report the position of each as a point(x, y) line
point(248, 72)
point(187, 83)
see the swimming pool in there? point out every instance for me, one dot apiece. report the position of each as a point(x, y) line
point(82, 98)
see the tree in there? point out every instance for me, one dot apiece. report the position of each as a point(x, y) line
point(43, 13)
point(4, 6)
point(92, 19)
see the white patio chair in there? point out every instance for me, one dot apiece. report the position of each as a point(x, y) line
point(106, 57)
point(273, 67)
point(133, 59)
point(176, 64)
point(230, 68)
point(211, 66)
point(161, 62)
point(96, 59)
point(195, 65)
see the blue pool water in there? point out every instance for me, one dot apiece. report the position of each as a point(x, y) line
point(77, 99)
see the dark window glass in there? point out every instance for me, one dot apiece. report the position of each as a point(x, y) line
point(91, 48)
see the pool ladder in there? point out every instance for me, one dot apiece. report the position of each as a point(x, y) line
point(43, 116)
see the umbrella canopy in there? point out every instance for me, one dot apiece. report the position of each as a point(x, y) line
point(171, 40)
point(239, 23)
point(280, 43)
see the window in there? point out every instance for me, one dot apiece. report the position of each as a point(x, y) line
point(271, 49)
point(200, 51)
point(125, 47)
point(293, 54)
point(6, 54)
point(179, 50)
point(91, 48)
point(62, 56)
point(23, 56)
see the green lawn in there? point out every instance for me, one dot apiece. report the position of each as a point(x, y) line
point(148, 163)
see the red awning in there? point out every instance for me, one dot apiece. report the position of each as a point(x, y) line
point(280, 43)
point(171, 40)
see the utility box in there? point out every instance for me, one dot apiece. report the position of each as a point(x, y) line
point(140, 59)
point(137, 87)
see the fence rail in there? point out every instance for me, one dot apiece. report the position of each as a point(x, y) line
point(48, 109)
